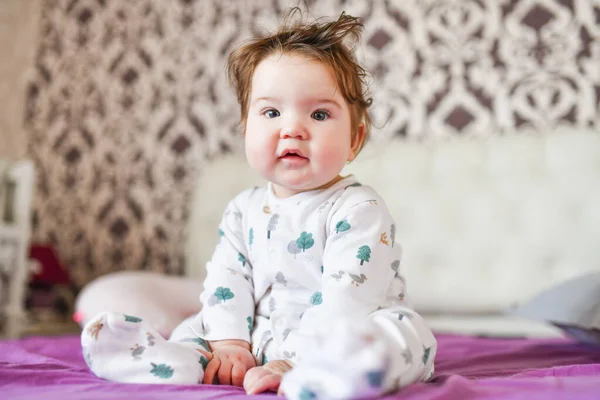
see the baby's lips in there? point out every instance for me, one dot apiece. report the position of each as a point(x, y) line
point(292, 151)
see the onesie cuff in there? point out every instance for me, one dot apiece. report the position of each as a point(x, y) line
point(225, 328)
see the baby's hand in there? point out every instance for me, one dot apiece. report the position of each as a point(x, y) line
point(228, 362)
point(267, 377)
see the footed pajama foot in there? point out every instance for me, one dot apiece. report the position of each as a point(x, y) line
point(123, 348)
point(342, 366)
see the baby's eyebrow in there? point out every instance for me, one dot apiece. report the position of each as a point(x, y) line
point(328, 101)
point(308, 101)
point(264, 98)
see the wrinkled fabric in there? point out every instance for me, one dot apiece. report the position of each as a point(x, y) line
point(466, 367)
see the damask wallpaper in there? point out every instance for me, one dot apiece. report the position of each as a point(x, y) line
point(18, 36)
point(128, 99)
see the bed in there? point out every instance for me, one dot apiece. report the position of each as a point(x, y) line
point(467, 368)
point(486, 225)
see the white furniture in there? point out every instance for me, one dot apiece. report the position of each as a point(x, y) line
point(485, 223)
point(16, 191)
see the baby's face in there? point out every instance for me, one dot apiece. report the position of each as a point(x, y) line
point(298, 130)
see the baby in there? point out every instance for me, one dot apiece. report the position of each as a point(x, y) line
point(303, 293)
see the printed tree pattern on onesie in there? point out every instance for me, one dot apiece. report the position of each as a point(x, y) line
point(249, 319)
point(395, 267)
point(280, 278)
point(407, 355)
point(286, 332)
point(356, 184)
point(426, 351)
point(364, 254)
point(307, 394)
point(87, 357)
point(322, 207)
point(316, 298)
point(162, 371)
point(272, 225)
point(129, 318)
point(305, 241)
point(393, 234)
point(250, 237)
point(223, 294)
point(242, 259)
point(375, 378)
point(293, 248)
point(203, 361)
point(196, 340)
point(342, 226)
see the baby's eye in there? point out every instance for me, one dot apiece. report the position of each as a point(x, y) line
point(320, 115)
point(272, 113)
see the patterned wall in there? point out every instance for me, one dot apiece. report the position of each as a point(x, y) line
point(127, 99)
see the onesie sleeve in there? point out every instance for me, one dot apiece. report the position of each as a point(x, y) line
point(228, 295)
point(360, 270)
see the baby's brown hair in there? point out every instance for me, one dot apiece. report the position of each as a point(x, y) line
point(319, 41)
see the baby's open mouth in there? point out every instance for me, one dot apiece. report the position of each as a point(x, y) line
point(292, 155)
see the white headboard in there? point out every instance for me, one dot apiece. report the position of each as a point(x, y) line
point(485, 223)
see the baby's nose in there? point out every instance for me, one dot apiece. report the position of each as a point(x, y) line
point(293, 132)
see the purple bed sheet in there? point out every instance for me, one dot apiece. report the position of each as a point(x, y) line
point(466, 368)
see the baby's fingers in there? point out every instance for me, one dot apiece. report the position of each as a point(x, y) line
point(224, 374)
point(211, 371)
point(252, 376)
point(205, 353)
point(269, 382)
point(237, 374)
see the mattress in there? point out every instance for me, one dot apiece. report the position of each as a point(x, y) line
point(467, 367)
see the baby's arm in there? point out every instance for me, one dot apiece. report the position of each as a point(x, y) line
point(227, 314)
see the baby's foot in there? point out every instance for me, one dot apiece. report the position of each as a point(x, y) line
point(350, 363)
point(123, 348)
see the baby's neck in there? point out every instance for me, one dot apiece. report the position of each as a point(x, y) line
point(283, 192)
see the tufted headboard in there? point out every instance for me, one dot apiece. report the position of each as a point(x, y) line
point(484, 223)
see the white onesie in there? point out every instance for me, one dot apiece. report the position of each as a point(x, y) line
point(286, 269)
point(314, 279)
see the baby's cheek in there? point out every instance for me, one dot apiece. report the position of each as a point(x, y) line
point(333, 158)
point(254, 155)
point(260, 160)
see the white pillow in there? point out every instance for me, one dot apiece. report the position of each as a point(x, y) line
point(573, 306)
point(161, 300)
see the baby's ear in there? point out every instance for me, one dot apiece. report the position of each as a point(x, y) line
point(357, 141)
